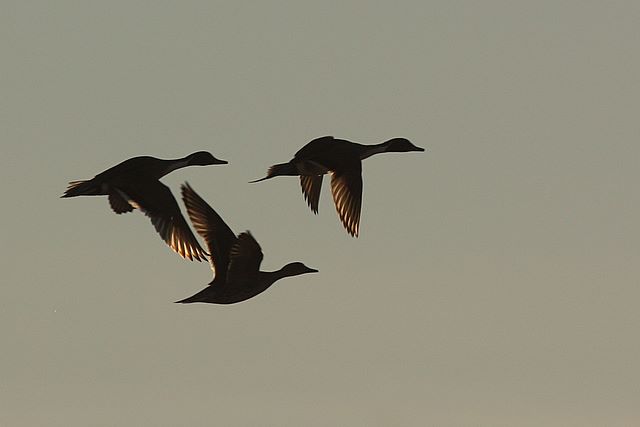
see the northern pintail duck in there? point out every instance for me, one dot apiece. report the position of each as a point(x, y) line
point(343, 160)
point(134, 184)
point(235, 261)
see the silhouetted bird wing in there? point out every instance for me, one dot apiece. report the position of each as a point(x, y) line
point(156, 201)
point(212, 228)
point(246, 256)
point(119, 203)
point(311, 186)
point(346, 187)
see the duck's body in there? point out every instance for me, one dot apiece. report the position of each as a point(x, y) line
point(235, 261)
point(134, 184)
point(232, 291)
point(343, 160)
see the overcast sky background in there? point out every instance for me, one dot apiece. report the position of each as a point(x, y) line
point(495, 281)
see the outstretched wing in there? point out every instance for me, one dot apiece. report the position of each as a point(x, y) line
point(119, 203)
point(208, 224)
point(246, 255)
point(156, 201)
point(346, 187)
point(311, 186)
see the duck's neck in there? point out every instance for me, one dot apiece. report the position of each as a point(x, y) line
point(267, 278)
point(370, 150)
point(171, 165)
point(273, 276)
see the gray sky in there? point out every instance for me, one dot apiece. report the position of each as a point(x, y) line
point(495, 281)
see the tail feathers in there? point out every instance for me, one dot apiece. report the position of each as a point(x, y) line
point(187, 300)
point(197, 297)
point(82, 188)
point(278, 170)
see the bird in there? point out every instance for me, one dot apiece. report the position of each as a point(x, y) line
point(235, 260)
point(341, 159)
point(134, 184)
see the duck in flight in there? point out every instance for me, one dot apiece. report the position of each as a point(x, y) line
point(342, 159)
point(134, 184)
point(235, 261)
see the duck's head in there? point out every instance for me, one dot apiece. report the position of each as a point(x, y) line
point(401, 145)
point(296, 268)
point(204, 158)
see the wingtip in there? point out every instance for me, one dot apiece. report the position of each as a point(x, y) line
point(185, 187)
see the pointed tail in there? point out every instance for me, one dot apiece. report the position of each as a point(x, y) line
point(278, 170)
point(82, 188)
point(197, 297)
point(189, 300)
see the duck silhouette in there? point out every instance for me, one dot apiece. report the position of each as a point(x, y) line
point(134, 184)
point(235, 261)
point(341, 159)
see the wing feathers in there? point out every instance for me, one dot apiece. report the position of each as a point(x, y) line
point(311, 186)
point(246, 255)
point(347, 196)
point(208, 224)
point(157, 202)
